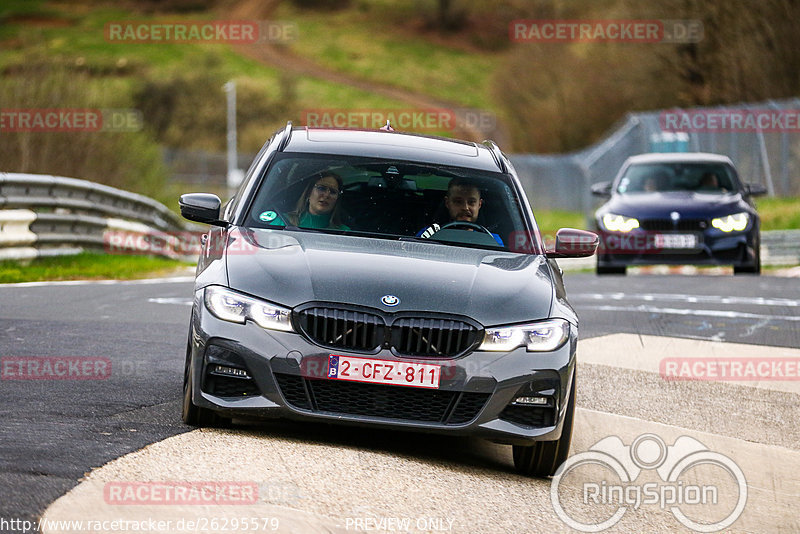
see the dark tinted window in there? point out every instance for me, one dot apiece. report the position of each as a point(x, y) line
point(700, 177)
point(385, 198)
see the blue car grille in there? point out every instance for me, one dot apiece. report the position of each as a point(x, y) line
point(666, 225)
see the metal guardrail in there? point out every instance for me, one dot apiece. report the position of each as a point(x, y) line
point(54, 215)
point(780, 247)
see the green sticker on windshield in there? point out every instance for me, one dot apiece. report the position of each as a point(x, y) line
point(268, 216)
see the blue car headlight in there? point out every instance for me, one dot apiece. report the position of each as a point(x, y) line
point(234, 307)
point(541, 336)
point(732, 223)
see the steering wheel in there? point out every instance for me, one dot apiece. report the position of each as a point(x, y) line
point(471, 225)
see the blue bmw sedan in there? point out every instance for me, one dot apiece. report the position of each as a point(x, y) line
point(678, 208)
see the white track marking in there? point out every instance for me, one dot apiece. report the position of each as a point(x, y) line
point(171, 300)
point(690, 311)
point(693, 299)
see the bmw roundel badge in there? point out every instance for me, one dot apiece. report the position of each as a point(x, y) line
point(390, 300)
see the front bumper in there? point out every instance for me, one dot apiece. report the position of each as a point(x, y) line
point(287, 379)
point(713, 248)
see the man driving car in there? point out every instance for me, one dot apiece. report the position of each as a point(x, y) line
point(463, 202)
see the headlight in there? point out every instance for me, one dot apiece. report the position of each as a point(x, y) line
point(619, 223)
point(732, 223)
point(231, 306)
point(542, 336)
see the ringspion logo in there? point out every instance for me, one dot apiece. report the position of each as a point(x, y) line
point(704, 490)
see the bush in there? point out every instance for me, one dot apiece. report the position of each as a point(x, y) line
point(127, 160)
point(188, 110)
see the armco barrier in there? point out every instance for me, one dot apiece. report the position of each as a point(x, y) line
point(780, 247)
point(52, 215)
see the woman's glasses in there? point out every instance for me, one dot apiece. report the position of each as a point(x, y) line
point(322, 189)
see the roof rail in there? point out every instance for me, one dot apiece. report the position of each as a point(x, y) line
point(287, 134)
point(496, 154)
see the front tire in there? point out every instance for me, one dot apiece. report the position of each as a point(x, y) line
point(543, 458)
point(604, 269)
point(755, 268)
point(191, 414)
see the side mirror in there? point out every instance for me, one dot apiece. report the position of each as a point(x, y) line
point(601, 189)
point(572, 243)
point(201, 207)
point(755, 190)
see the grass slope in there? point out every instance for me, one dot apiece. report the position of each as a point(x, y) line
point(87, 266)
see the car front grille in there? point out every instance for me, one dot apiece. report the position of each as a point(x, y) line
point(665, 225)
point(294, 390)
point(381, 401)
point(408, 336)
point(344, 329)
point(431, 337)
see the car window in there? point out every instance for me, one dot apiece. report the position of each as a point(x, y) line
point(664, 177)
point(386, 198)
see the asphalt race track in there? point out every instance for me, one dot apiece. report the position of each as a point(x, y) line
point(55, 432)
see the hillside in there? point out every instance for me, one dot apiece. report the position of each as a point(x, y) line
point(367, 56)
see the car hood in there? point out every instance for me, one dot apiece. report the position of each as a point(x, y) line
point(688, 204)
point(292, 268)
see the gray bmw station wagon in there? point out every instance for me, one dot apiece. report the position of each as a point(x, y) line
point(384, 279)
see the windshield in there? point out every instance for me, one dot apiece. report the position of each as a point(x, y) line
point(661, 177)
point(388, 199)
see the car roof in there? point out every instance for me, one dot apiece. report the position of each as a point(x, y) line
point(392, 144)
point(678, 157)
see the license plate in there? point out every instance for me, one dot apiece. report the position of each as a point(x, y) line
point(419, 375)
point(675, 241)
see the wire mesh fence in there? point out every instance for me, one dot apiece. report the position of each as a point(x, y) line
point(763, 143)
